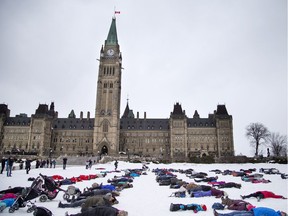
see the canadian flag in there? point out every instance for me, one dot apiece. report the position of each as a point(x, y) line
point(117, 12)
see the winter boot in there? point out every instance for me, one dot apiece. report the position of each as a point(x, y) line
point(61, 205)
point(174, 207)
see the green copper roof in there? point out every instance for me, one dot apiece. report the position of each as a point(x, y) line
point(112, 35)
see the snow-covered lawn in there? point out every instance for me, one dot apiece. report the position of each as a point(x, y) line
point(147, 198)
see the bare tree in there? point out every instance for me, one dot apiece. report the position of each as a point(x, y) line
point(257, 134)
point(278, 144)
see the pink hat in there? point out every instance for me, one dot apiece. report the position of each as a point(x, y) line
point(249, 207)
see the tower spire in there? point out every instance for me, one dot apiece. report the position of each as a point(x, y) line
point(112, 35)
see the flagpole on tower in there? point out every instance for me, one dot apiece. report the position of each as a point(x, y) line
point(115, 12)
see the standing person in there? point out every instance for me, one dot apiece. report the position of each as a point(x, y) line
point(9, 166)
point(47, 163)
point(51, 163)
point(116, 164)
point(54, 163)
point(90, 163)
point(37, 163)
point(3, 161)
point(87, 164)
point(28, 165)
point(64, 162)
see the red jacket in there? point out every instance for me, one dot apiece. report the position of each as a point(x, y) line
point(269, 194)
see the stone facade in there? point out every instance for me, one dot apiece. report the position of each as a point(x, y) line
point(176, 138)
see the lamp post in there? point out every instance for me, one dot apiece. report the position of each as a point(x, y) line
point(50, 153)
point(127, 150)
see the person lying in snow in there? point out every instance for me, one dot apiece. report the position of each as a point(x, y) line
point(228, 185)
point(101, 211)
point(194, 207)
point(208, 179)
point(95, 192)
point(192, 187)
point(181, 192)
point(232, 204)
point(263, 195)
point(6, 203)
point(257, 211)
point(212, 192)
point(106, 200)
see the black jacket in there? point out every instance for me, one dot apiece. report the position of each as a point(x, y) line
point(99, 211)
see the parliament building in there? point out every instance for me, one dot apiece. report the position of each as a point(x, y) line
point(175, 138)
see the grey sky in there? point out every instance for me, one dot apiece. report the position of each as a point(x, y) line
point(197, 52)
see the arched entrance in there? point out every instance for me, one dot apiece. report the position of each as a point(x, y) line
point(104, 150)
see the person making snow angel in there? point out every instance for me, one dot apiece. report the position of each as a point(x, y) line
point(263, 195)
point(258, 211)
point(101, 211)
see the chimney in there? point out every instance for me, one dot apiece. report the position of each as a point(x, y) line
point(137, 115)
point(145, 115)
point(81, 115)
point(88, 115)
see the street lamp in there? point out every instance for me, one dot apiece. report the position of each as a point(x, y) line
point(127, 150)
point(50, 153)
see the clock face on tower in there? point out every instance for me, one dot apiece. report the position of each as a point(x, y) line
point(110, 52)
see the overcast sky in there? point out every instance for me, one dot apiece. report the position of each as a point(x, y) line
point(199, 53)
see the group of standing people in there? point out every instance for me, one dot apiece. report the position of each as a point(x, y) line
point(8, 163)
point(45, 163)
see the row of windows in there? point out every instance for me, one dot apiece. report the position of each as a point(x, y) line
point(108, 85)
point(109, 70)
point(68, 140)
point(17, 130)
point(73, 134)
point(18, 123)
point(73, 126)
point(147, 134)
point(25, 146)
point(160, 127)
point(71, 121)
point(25, 137)
point(141, 127)
point(201, 124)
point(201, 138)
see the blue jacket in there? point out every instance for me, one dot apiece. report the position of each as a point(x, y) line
point(263, 211)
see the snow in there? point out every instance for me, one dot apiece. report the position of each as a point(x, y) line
point(147, 197)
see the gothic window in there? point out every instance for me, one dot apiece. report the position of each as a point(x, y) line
point(105, 85)
point(111, 85)
point(105, 127)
